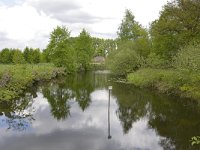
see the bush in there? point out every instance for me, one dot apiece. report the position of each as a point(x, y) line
point(156, 61)
point(16, 78)
point(125, 59)
point(188, 58)
point(124, 62)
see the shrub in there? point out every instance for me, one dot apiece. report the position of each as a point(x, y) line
point(156, 61)
point(125, 59)
point(124, 62)
point(188, 58)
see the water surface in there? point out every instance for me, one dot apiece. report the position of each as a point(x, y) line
point(72, 113)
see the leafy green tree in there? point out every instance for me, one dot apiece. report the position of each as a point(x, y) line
point(26, 54)
point(31, 55)
point(84, 50)
point(103, 46)
point(36, 56)
point(129, 28)
point(5, 56)
point(60, 50)
point(18, 57)
point(177, 26)
point(133, 46)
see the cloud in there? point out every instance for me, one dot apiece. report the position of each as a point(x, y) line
point(29, 22)
point(22, 25)
point(65, 10)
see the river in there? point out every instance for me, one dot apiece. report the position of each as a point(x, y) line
point(72, 113)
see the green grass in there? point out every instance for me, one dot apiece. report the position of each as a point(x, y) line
point(14, 79)
point(178, 82)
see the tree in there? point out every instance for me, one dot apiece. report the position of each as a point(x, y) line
point(124, 60)
point(177, 25)
point(5, 56)
point(132, 46)
point(26, 54)
point(60, 50)
point(131, 30)
point(84, 50)
point(36, 56)
point(18, 57)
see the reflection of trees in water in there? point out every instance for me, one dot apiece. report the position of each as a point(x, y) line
point(132, 105)
point(17, 114)
point(175, 120)
point(73, 88)
point(58, 99)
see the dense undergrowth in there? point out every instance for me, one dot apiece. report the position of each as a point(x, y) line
point(14, 79)
point(184, 83)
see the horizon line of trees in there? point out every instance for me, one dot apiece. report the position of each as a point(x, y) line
point(17, 56)
point(78, 45)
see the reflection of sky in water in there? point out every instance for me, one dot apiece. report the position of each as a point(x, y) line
point(82, 130)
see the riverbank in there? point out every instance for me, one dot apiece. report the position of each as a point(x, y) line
point(14, 79)
point(172, 82)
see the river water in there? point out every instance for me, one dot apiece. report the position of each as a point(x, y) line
point(72, 113)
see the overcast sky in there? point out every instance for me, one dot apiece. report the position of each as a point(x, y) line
point(29, 22)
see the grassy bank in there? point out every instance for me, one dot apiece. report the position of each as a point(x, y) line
point(14, 79)
point(175, 82)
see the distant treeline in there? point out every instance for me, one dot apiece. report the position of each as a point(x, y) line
point(17, 56)
point(61, 48)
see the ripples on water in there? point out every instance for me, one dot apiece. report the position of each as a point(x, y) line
point(72, 113)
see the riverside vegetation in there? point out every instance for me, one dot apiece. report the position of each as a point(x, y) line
point(16, 78)
point(165, 57)
point(63, 55)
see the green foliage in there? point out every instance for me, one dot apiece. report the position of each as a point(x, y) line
point(177, 26)
point(195, 140)
point(188, 58)
point(18, 77)
point(27, 54)
point(129, 28)
point(124, 60)
point(133, 47)
point(102, 47)
point(5, 56)
point(84, 50)
point(18, 57)
point(60, 50)
point(156, 61)
point(32, 56)
point(184, 83)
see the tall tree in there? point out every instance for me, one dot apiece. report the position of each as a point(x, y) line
point(84, 50)
point(131, 30)
point(178, 25)
point(60, 50)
